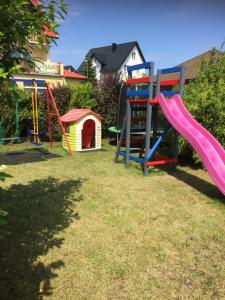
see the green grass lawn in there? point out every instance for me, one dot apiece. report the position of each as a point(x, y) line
point(92, 229)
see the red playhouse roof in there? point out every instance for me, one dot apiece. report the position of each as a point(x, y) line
point(69, 74)
point(77, 114)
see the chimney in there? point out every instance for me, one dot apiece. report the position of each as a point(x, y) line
point(113, 47)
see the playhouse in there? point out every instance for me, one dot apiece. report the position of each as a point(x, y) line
point(83, 130)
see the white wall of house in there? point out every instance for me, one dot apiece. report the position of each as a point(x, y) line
point(134, 58)
point(97, 66)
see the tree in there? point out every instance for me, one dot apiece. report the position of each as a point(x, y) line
point(84, 95)
point(107, 99)
point(19, 21)
point(89, 71)
point(204, 98)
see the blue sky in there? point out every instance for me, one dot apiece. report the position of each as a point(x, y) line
point(168, 31)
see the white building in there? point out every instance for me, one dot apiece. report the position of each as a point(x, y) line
point(115, 58)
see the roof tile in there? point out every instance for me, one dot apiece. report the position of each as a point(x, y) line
point(69, 74)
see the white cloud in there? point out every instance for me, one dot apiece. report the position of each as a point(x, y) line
point(76, 9)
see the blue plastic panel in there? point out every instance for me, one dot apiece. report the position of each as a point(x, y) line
point(146, 65)
point(137, 159)
point(170, 70)
point(27, 80)
point(168, 93)
point(137, 93)
point(157, 143)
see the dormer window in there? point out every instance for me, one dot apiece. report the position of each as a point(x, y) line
point(133, 55)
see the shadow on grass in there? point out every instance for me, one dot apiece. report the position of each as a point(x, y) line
point(201, 185)
point(4, 175)
point(26, 156)
point(37, 212)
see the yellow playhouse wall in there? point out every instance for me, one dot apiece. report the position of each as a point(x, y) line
point(71, 138)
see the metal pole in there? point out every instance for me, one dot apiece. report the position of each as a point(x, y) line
point(33, 109)
point(119, 102)
point(128, 126)
point(182, 80)
point(36, 113)
point(1, 134)
point(149, 117)
point(119, 143)
point(17, 114)
point(49, 118)
point(156, 107)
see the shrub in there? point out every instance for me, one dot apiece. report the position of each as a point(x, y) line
point(62, 95)
point(84, 96)
point(108, 99)
point(90, 71)
point(205, 99)
point(8, 98)
point(2, 222)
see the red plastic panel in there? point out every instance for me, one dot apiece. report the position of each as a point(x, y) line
point(87, 133)
point(138, 80)
point(139, 101)
point(162, 162)
point(169, 82)
point(154, 101)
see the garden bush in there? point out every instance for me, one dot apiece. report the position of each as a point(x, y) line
point(84, 95)
point(62, 95)
point(8, 98)
point(205, 99)
point(102, 98)
point(108, 99)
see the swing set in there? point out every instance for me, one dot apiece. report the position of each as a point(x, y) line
point(35, 132)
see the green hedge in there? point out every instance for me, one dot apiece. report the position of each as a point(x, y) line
point(205, 99)
point(102, 99)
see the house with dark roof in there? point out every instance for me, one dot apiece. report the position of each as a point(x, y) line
point(114, 58)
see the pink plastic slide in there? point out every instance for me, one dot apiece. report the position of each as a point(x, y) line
point(207, 147)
